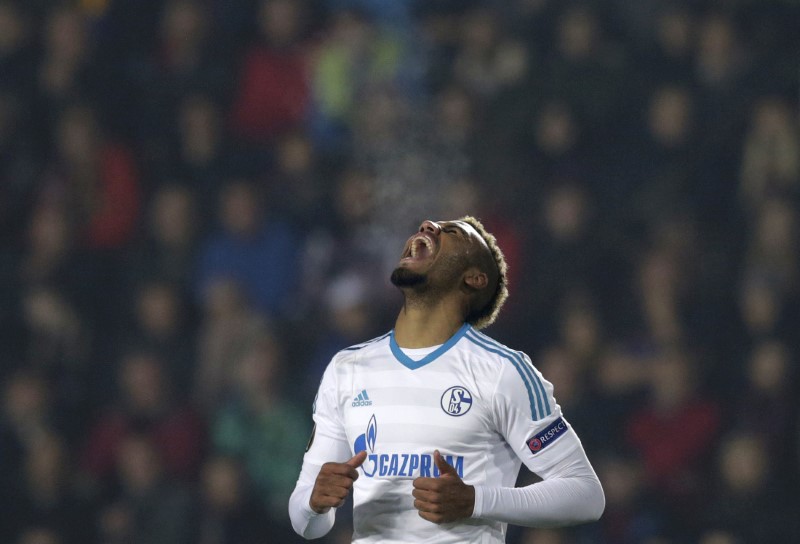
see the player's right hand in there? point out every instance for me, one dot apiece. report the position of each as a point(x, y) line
point(334, 482)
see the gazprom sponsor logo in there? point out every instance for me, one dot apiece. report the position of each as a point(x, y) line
point(399, 465)
point(408, 465)
point(540, 441)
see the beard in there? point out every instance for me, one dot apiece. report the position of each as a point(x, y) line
point(403, 277)
point(439, 278)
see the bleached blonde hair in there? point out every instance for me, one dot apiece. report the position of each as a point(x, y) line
point(494, 264)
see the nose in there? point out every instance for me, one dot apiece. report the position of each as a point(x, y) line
point(430, 226)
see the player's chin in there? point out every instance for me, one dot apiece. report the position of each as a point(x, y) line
point(403, 276)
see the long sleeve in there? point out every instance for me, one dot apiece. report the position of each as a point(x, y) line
point(543, 440)
point(569, 493)
point(328, 444)
point(305, 521)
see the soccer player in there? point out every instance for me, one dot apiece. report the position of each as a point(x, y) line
point(429, 423)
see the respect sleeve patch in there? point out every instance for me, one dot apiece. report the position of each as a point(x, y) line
point(540, 441)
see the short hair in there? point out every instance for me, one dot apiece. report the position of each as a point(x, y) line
point(485, 315)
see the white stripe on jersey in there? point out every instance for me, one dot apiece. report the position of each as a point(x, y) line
point(473, 399)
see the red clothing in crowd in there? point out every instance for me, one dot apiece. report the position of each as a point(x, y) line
point(114, 218)
point(272, 95)
point(673, 445)
point(178, 435)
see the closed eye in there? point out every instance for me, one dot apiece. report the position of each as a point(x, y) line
point(452, 229)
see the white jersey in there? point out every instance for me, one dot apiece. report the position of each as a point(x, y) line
point(482, 405)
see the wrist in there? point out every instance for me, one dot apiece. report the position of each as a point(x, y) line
point(318, 511)
point(477, 501)
point(470, 500)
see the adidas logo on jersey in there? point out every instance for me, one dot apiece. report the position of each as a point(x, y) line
point(361, 400)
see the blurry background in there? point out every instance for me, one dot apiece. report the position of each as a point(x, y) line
point(201, 202)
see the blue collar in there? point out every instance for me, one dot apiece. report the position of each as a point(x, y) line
point(411, 364)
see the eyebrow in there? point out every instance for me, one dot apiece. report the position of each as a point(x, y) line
point(456, 226)
point(467, 234)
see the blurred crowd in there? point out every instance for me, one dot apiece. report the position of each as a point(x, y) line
point(201, 202)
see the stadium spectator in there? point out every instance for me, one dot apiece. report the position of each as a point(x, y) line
point(752, 503)
point(147, 506)
point(585, 58)
point(201, 154)
point(765, 409)
point(260, 424)
point(489, 60)
point(348, 317)
point(94, 179)
point(273, 92)
point(295, 188)
point(65, 71)
point(159, 325)
point(229, 514)
point(17, 62)
point(27, 415)
point(257, 250)
point(167, 248)
point(632, 514)
point(49, 496)
point(145, 407)
point(676, 414)
point(770, 166)
point(355, 58)
point(57, 348)
point(229, 325)
point(181, 61)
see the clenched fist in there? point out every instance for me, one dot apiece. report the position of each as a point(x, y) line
point(443, 499)
point(334, 482)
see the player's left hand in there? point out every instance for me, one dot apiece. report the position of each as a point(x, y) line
point(446, 498)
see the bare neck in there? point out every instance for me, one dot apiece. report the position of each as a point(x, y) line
point(422, 325)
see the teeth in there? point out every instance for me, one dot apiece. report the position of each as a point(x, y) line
point(415, 245)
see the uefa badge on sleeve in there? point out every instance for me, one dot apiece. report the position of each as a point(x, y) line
point(546, 437)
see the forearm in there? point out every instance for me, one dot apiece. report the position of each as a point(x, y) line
point(571, 495)
point(305, 521)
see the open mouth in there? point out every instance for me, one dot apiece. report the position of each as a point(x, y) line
point(419, 248)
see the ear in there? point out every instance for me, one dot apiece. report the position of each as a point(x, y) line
point(475, 279)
